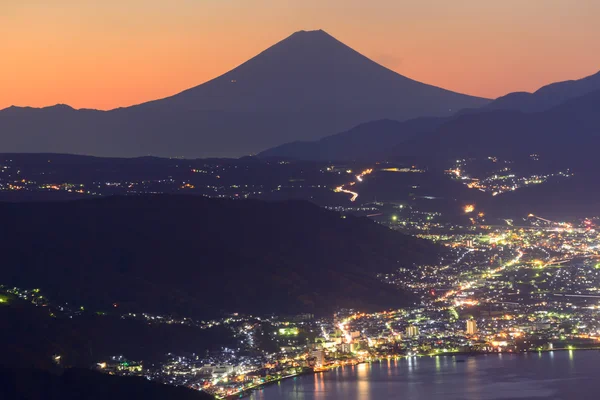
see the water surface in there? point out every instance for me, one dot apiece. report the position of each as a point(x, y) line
point(573, 375)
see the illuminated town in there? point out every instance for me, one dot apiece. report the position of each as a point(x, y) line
point(495, 176)
point(530, 286)
point(508, 285)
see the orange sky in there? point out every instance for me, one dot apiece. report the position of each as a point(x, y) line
point(112, 53)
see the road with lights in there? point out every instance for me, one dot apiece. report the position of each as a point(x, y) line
point(359, 178)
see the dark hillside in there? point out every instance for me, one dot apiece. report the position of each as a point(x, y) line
point(201, 256)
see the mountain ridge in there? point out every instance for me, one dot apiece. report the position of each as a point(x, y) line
point(567, 132)
point(364, 142)
point(423, 139)
point(547, 96)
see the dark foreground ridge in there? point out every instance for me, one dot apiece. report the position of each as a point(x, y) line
point(203, 256)
point(82, 384)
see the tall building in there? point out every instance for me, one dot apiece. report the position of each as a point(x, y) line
point(345, 348)
point(319, 356)
point(412, 331)
point(471, 327)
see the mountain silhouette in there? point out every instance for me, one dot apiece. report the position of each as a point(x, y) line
point(567, 133)
point(302, 88)
point(546, 97)
point(365, 142)
point(312, 71)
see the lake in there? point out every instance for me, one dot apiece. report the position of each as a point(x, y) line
point(572, 375)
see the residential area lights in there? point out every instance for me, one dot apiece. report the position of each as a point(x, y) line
point(506, 289)
point(532, 284)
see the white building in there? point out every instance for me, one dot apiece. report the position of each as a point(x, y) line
point(412, 331)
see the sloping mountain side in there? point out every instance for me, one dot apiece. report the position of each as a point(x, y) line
point(546, 97)
point(201, 256)
point(30, 343)
point(38, 333)
point(31, 338)
point(567, 134)
point(302, 88)
point(566, 111)
point(81, 384)
point(368, 141)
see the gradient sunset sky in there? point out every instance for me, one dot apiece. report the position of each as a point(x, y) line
point(111, 53)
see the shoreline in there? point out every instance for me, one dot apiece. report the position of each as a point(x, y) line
point(246, 392)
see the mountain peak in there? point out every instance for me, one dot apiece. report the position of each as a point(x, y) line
point(60, 106)
point(313, 39)
point(316, 32)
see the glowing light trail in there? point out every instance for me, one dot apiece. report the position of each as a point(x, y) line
point(359, 178)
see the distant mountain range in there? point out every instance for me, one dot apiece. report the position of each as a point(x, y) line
point(371, 141)
point(302, 88)
point(565, 134)
point(560, 120)
point(204, 256)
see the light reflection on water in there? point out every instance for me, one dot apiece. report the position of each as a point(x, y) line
point(555, 375)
